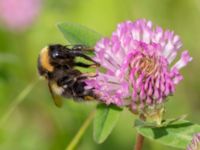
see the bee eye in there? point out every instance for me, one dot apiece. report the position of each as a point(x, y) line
point(55, 54)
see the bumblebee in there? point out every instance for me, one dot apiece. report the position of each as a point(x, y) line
point(56, 63)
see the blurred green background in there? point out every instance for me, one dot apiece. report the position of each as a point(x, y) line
point(36, 123)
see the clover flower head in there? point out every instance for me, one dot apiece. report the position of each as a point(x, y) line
point(195, 143)
point(138, 68)
point(18, 14)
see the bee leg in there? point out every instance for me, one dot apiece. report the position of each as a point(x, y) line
point(80, 64)
point(91, 74)
point(80, 78)
point(56, 98)
point(80, 53)
point(82, 48)
point(95, 65)
point(78, 47)
point(66, 81)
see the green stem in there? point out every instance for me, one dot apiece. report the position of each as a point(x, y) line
point(22, 95)
point(80, 132)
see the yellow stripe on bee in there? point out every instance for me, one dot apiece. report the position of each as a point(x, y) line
point(56, 89)
point(44, 59)
point(89, 98)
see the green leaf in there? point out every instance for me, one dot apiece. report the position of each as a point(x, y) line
point(78, 34)
point(173, 120)
point(105, 120)
point(142, 123)
point(177, 134)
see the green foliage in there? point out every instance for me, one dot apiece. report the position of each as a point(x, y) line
point(37, 123)
point(177, 134)
point(78, 34)
point(105, 120)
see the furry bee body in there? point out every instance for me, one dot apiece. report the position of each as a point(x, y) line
point(56, 63)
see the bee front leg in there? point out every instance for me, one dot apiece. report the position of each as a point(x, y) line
point(80, 64)
point(80, 53)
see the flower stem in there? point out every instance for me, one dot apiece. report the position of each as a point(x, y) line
point(139, 142)
point(16, 102)
point(139, 138)
point(80, 132)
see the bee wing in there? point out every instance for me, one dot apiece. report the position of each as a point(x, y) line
point(57, 99)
